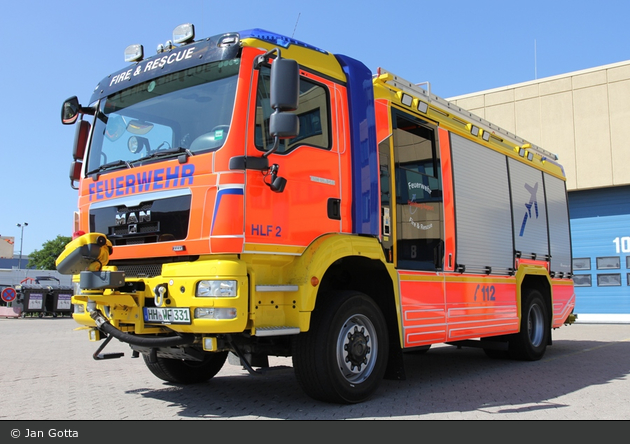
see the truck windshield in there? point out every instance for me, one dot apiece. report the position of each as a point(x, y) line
point(189, 111)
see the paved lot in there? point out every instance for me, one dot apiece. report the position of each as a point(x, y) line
point(48, 374)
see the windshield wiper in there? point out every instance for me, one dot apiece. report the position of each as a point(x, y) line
point(108, 166)
point(167, 153)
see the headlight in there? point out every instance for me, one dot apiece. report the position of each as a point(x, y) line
point(216, 289)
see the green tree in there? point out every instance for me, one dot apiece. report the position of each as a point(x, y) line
point(45, 258)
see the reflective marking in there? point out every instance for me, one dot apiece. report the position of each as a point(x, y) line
point(322, 180)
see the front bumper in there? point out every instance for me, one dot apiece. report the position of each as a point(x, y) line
point(168, 302)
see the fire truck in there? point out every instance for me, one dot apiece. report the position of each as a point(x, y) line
point(250, 196)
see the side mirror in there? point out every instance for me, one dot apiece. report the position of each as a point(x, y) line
point(70, 111)
point(284, 97)
point(284, 125)
point(285, 85)
point(75, 173)
point(80, 140)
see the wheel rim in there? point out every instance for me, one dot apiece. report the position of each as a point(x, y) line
point(357, 349)
point(535, 325)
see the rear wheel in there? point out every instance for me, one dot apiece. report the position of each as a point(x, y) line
point(531, 342)
point(186, 372)
point(343, 357)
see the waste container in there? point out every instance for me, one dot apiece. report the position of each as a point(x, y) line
point(59, 297)
point(61, 301)
point(32, 297)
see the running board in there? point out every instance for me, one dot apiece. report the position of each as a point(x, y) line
point(277, 331)
point(270, 288)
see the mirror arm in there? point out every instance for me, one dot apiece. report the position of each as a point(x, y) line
point(276, 143)
point(265, 57)
point(89, 110)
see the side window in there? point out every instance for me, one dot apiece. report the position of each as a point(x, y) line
point(313, 114)
point(419, 210)
point(582, 263)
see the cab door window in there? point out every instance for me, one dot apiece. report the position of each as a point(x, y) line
point(313, 113)
point(419, 206)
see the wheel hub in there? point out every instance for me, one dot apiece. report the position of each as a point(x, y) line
point(357, 348)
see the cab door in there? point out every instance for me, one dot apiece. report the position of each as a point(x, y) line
point(419, 228)
point(287, 221)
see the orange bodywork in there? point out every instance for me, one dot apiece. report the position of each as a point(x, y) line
point(235, 212)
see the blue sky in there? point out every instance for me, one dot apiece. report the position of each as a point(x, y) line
point(53, 50)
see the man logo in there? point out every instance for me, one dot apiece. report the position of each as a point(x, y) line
point(132, 218)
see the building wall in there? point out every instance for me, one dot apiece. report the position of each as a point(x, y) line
point(600, 226)
point(581, 116)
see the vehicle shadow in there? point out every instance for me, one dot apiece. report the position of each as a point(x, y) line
point(445, 379)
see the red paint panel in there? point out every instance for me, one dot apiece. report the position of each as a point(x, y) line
point(226, 244)
point(449, 201)
point(563, 301)
point(478, 306)
point(228, 214)
point(423, 311)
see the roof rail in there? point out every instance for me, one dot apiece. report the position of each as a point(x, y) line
point(454, 110)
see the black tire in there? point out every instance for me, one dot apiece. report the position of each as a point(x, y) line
point(531, 342)
point(343, 357)
point(187, 372)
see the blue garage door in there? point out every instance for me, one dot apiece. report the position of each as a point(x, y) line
point(600, 234)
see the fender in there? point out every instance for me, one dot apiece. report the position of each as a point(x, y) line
point(525, 270)
point(325, 251)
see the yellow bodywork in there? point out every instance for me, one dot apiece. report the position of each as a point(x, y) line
point(273, 291)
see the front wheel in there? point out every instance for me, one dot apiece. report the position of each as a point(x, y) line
point(186, 372)
point(531, 342)
point(343, 357)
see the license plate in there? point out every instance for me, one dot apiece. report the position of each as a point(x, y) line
point(167, 315)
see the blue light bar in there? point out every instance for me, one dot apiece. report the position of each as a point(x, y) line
point(276, 39)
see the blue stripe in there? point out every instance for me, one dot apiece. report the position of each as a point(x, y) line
point(220, 194)
point(365, 196)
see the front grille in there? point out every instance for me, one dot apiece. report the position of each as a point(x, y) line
point(161, 220)
point(141, 270)
point(123, 230)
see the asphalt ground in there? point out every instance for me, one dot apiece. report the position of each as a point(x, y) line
point(48, 374)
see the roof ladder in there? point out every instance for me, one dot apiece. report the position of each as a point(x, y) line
point(452, 109)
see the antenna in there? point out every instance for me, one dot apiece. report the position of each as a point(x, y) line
point(296, 22)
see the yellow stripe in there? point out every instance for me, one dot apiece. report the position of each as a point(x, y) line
point(324, 63)
point(273, 249)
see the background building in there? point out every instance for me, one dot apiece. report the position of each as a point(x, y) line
point(583, 117)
